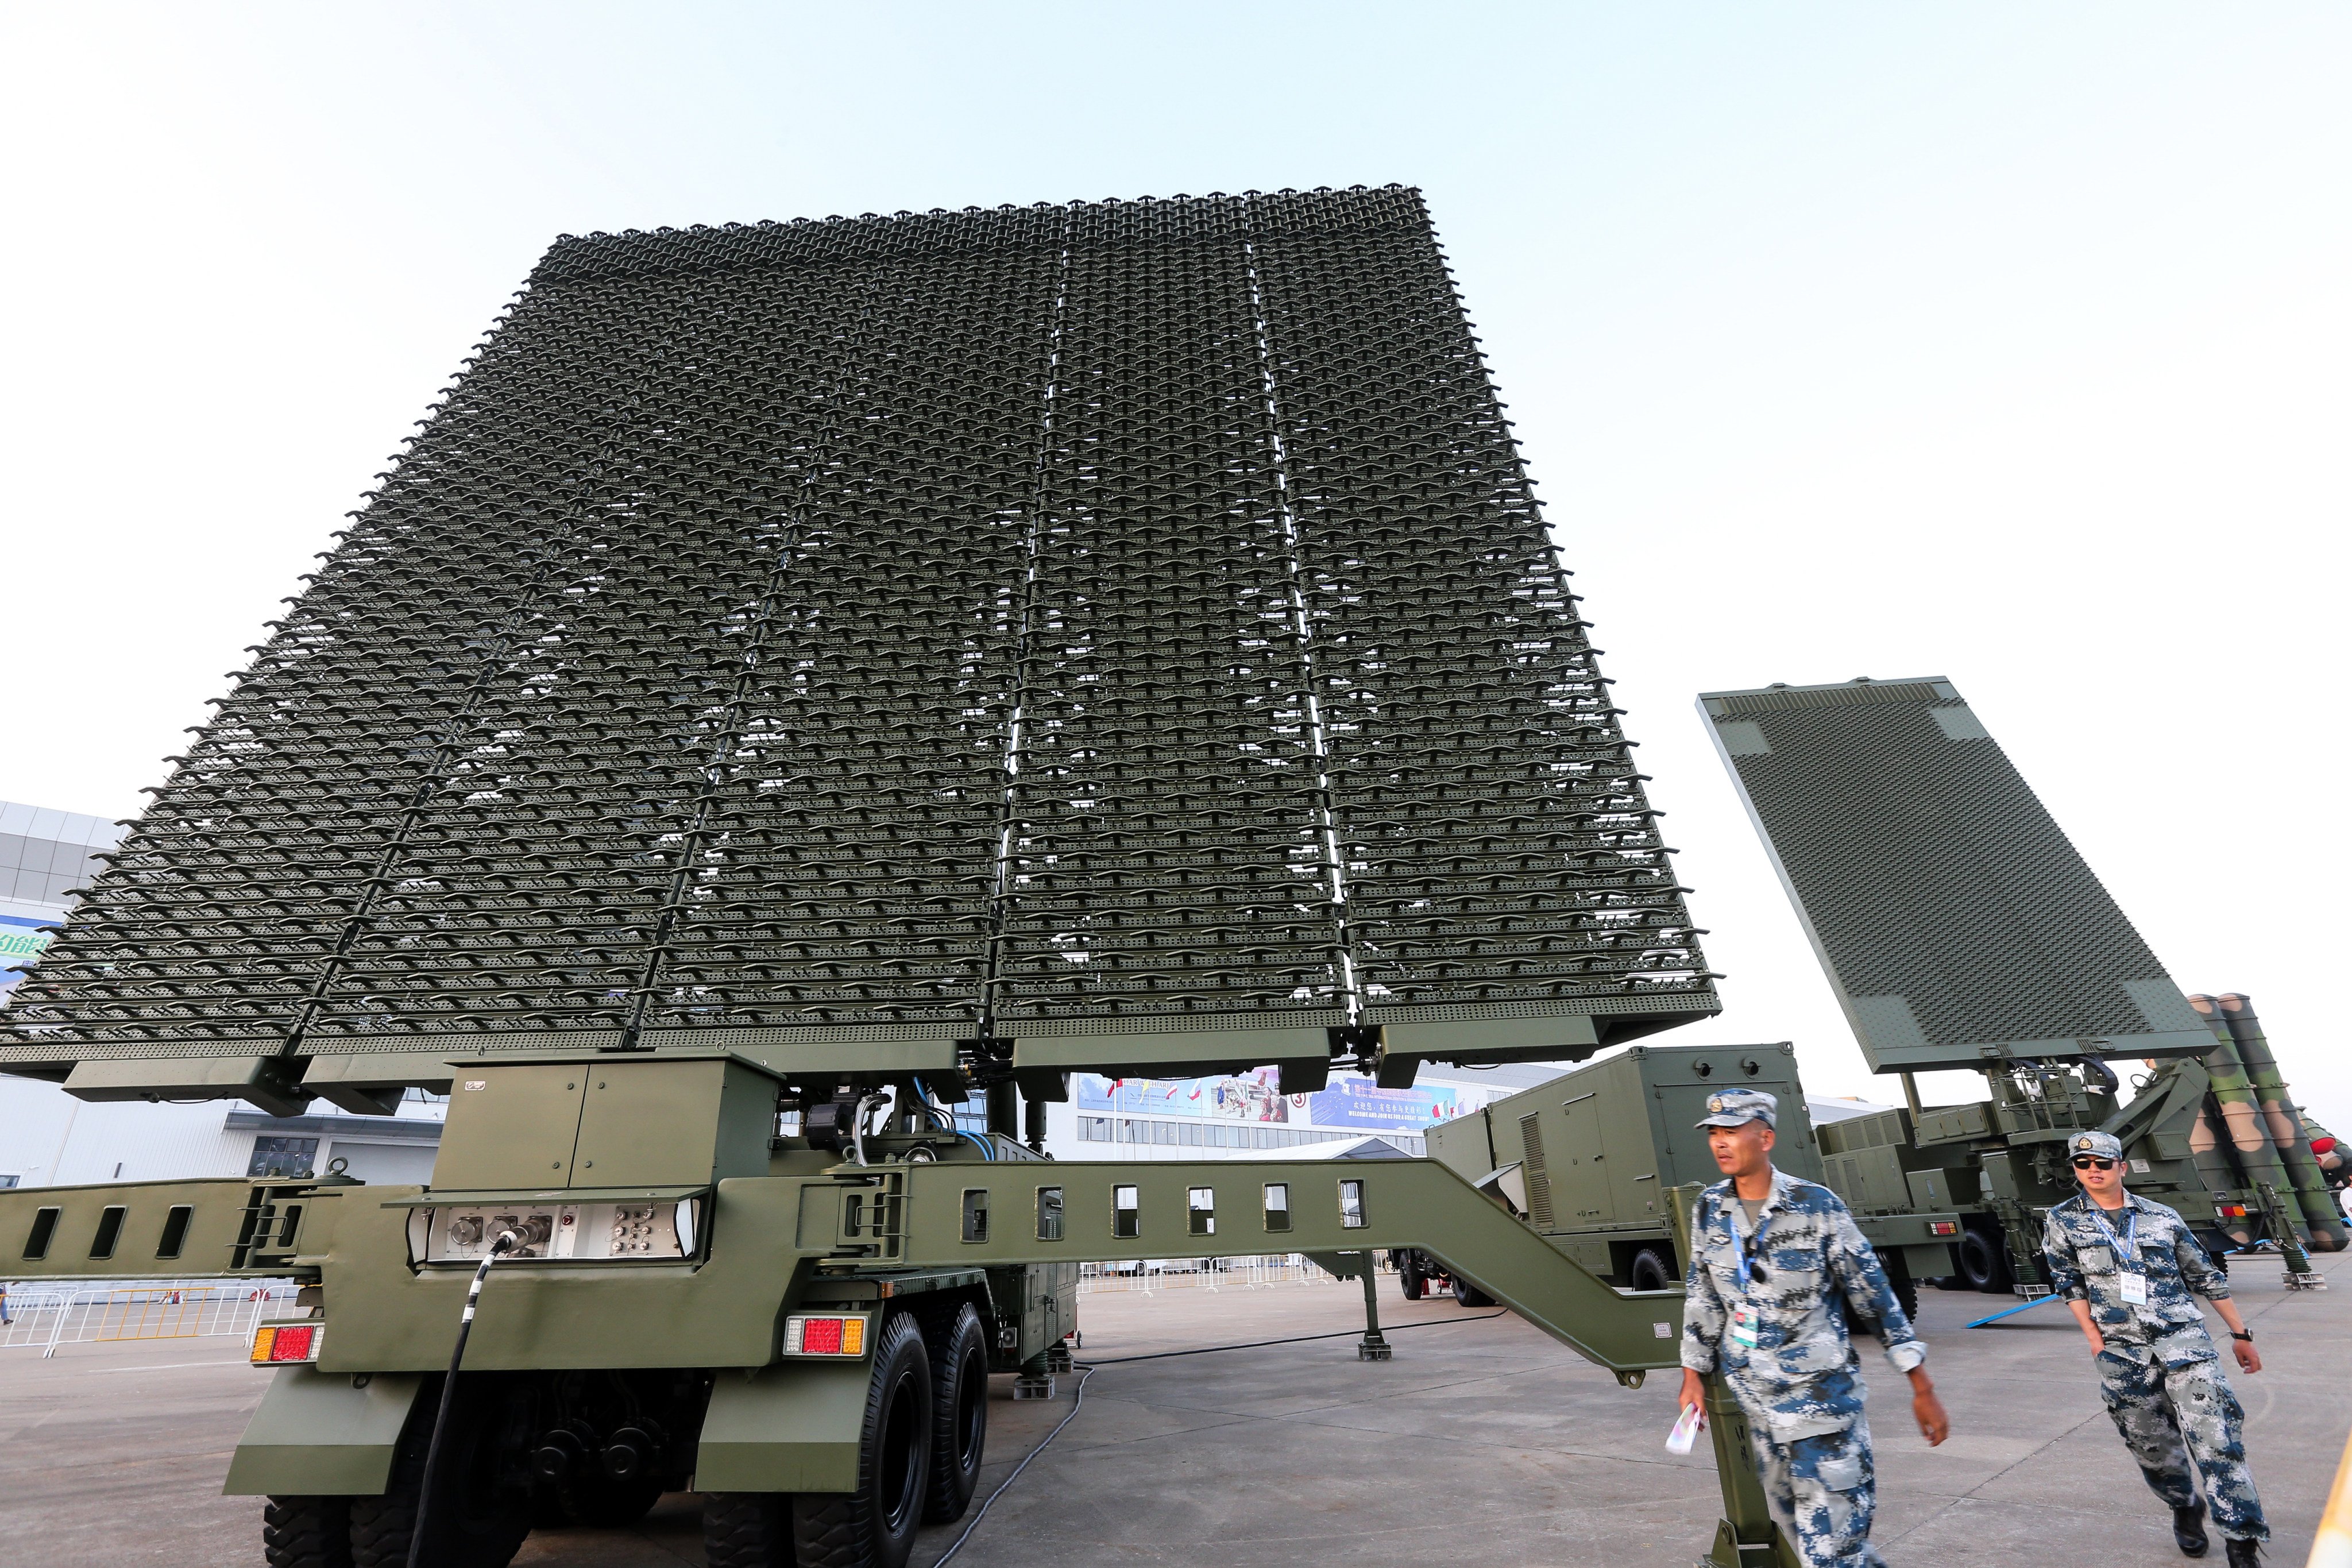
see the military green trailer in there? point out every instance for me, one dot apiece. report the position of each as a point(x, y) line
point(2000, 1162)
point(804, 682)
point(1586, 1159)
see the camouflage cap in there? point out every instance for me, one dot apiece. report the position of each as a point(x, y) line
point(1733, 1106)
point(2103, 1144)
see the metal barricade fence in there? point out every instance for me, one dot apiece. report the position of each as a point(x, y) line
point(46, 1314)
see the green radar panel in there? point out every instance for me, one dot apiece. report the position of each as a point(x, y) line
point(1958, 926)
point(1012, 640)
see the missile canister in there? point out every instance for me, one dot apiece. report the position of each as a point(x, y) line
point(2285, 1126)
point(2243, 1138)
point(2335, 1159)
point(2209, 1137)
point(2216, 1170)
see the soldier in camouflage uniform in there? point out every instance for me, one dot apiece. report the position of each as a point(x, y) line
point(2130, 1270)
point(1770, 1256)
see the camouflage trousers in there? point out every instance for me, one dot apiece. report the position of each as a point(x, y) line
point(1822, 1490)
point(2171, 1416)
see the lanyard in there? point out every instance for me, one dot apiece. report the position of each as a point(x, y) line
point(1748, 1246)
point(2125, 1246)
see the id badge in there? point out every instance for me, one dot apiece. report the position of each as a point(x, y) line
point(1745, 1327)
point(2133, 1289)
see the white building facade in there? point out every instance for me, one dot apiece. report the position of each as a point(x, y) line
point(48, 1138)
point(1245, 1115)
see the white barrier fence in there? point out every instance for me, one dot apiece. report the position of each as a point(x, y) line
point(46, 1314)
point(1153, 1274)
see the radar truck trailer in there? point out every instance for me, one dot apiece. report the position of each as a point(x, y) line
point(804, 678)
point(1587, 1158)
point(1960, 930)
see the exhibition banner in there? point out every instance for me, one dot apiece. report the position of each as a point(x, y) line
point(21, 942)
point(1351, 1101)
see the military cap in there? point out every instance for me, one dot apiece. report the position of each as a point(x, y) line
point(2103, 1144)
point(1733, 1106)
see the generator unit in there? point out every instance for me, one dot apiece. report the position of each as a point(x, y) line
point(1586, 1160)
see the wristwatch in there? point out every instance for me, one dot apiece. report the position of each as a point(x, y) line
point(2248, 1338)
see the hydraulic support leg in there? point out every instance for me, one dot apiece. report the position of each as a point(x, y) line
point(1372, 1347)
point(2300, 1275)
point(1746, 1536)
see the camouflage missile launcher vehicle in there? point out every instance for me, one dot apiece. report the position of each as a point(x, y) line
point(1586, 1159)
point(802, 677)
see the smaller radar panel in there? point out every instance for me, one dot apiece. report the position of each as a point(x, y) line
point(1957, 925)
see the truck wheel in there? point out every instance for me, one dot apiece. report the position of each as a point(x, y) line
point(747, 1529)
point(1907, 1290)
point(1410, 1281)
point(874, 1527)
point(306, 1532)
point(1651, 1272)
point(477, 1523)
point(1469, 1295)
point(1984, 1260)
point(959, 1415)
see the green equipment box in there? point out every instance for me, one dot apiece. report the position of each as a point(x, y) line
point(1585, 1159)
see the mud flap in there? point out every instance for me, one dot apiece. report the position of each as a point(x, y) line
point(788, 1428)
point(316, 1435)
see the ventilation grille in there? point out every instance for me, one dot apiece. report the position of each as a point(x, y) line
point(1539, 1172)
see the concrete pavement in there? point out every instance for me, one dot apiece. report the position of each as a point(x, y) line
point(1483, 1441)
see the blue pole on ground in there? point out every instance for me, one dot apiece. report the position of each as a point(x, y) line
point(2010, 1311)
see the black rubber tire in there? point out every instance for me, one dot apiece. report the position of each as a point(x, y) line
point(874, 1527)
point(747, 1529)
point(1410, 1281)
point(476, 1524)
point(1907, 1290)
point(306, 1532)
point(1650, 1270)
point(1951, 1280)
point(1469, 1295)
point(958, 1346)
point(1984, 1259)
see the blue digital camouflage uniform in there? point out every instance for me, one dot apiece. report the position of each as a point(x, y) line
point(1799, 1383)
point(2159, 1376)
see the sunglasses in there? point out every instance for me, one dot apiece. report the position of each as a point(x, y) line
point(2092, 1162)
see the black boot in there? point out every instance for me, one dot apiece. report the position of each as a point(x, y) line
point(2188, 1529)
point(2242, 1550)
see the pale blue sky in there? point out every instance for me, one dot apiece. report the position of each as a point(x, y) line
point(2003, 343)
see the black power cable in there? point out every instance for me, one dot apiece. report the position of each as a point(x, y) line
point(957, 1546)
point(1295, 1339)
point(1089, 1368)
point(426, 1487)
